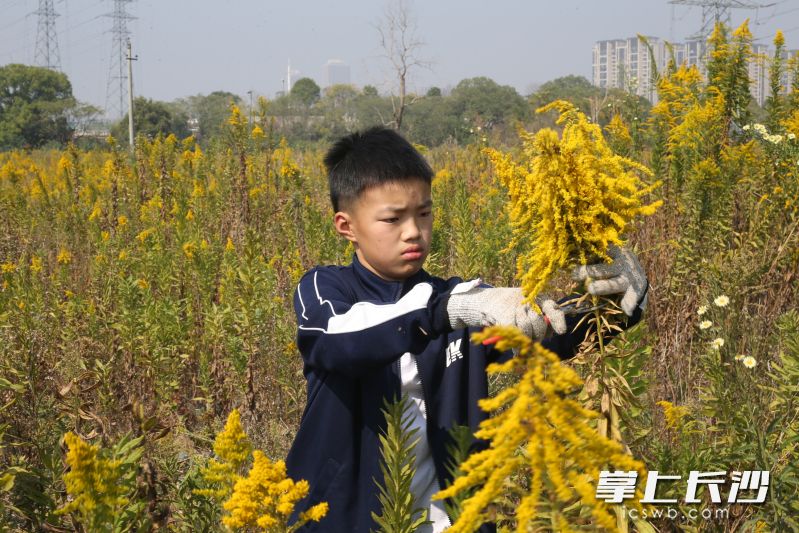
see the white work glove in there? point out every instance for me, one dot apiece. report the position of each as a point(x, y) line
point(488, 306)
point(623, 276)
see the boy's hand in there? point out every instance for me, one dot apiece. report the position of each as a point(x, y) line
point(487, 306)
point(623, 276)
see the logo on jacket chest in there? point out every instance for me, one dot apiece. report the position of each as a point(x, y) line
point(454, 351)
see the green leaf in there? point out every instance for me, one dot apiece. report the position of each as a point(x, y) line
point(7, 482)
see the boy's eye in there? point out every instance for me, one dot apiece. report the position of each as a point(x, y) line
point(390, 220)
point(426, 213)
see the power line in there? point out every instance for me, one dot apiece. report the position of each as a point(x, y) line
point(716, 11)
point(785, 12)
point(62, 34)
point(13, 3)
point(17, 21)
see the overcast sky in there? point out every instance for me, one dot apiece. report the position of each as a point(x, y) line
point(192, 47)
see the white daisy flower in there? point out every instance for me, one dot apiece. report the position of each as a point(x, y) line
point(705, 324)
point(702, 310)
point(721, 301)
point(739, 357)
point(717, 343)
point(749, 361)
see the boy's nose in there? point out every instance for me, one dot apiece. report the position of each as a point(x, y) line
point(411, 230)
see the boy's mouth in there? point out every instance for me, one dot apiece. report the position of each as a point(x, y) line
point(412, 253)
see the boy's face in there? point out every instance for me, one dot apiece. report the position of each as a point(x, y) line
point(391, 226)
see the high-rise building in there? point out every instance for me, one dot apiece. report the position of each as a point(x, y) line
point(758, 73)
point(691, 53)
point(337, 72)
point(627, 64)
point(788, 57)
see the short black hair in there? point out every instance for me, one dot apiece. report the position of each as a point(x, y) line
point(368, 158)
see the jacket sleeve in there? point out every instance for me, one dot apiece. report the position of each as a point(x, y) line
point(338, 335)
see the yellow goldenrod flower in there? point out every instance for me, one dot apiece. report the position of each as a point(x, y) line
point(257, 133)
point(266, 498)
point(779, 38)
point(198, 190)
point(189, 215)
point(721, 301)
point(142, 236)
point(315, 513)
point(232, 445)
point(674, 414)
point(749, 361)
point(36, 264)
point(105, 235)
point(203, 244)
point(150, 211)
point(93, 483)
point(122, 255)
point(96, 211)
point(570, 197)
point(8, 268)
point(229, 247)
point(142, 284)
point(122, 220)
point(64, 164)
point(283, 158)
point(235, 119)
point(561, 452)
point(64, 257)
point(233, 448)
point(705, 324)
point(619, 132)
point(189, 248)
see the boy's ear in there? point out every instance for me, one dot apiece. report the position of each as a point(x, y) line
point(343, 224)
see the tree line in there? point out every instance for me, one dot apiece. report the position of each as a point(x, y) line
point(37, 109)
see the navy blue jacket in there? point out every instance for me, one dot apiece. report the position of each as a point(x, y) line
point(353, 327)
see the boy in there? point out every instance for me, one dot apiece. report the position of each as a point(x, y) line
point(382, 326)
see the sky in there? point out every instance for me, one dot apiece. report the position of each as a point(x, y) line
point(200, 46)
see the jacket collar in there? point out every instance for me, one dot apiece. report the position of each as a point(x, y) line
point(385, 290)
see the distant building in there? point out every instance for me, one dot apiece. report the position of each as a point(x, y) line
point(758, 73)
point(788, 57)
point(691, 53)
point(337, 72)
point(627, 64)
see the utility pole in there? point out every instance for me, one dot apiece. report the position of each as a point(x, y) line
point(47, 55)
point(250, 93)
point(130, 59)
